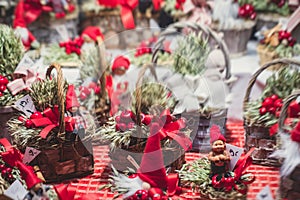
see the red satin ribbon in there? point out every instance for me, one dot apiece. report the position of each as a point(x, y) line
point(50, 121)
point(234, 182)
point(65, 192)
point(171, 129)
point(157, 4)
point(127, 6)
point(14, 158)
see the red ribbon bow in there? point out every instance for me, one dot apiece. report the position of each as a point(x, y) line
point(127, 6)
point(236, 182)
point(171, 129)
point(13, 157)
point(65, 192)
point(72, 46)
point(50, 121)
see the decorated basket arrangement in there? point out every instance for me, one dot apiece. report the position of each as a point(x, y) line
point(54, 125)
point(235, 21)
point(289, 131)
point(128, 132)
point(122, 25)
point(43, 21)
point(269, 12)
point(277, 43)
point(151, 180)
point(262, 114)
point(14, 171)
point(212, 177)
point(10, 57)
point(195, 79)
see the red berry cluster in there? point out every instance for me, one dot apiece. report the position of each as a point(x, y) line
point(6, 173)
point(285, 35)
point(3, 84)
point(139, 195)
point(86, 91)
point(145, 47)
point(72, 46)
point(127, 119)
point(27, 122)
point(279, 3)
point(179, 4)
point(272, 105)
point(247, 11)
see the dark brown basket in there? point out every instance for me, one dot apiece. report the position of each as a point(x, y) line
point(174, 157)
point(290, 185)
point(199, 123)
point(66, 159)
point(256, 135)
point(6, 112)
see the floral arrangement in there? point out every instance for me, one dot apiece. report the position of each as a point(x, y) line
point(280, 42)
point(10, 57)
point(273, 6)
point(265, 110)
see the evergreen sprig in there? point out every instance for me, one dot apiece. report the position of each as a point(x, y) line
point(191, 54)
point(54, 53)
point(195, 175)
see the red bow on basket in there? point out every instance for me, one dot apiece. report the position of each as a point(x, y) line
point(13, 158)
point(240, 179)
point(49, 119)
point(127, 6)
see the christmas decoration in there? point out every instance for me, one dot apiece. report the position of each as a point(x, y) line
point(13, 169)
point(57, 126)
point(151, 178)
point(277, 43)
point(235, 21)
point(261, 115)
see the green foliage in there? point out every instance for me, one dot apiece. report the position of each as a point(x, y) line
point(287, 51)
point(154, 95)
point(58, 55)
point(11, 51)
point(267, 6)
point(169, 7)
point(191, 54)
point(196, 176)
point(282, 84)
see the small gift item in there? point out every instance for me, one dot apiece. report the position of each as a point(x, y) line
point(128, 132)
point(199, 76)
point(277, 43)
point(151, 180)
point(14, 172)
point(236, 21)
point(211, 176)
point(43, 18)
point(52, 127)
point(289, 132)
point(262, 114)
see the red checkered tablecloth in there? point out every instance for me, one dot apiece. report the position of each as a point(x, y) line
point(89, 186)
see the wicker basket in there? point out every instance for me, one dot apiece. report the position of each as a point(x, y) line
point(265, 56)
point(289, 186)
point(257, 135)
point(66, 159)
point(174, 157)
point(199, 123)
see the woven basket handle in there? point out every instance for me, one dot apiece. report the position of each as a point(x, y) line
point(60, 94)
point(177, 27)
point(285, 62)
point(283, 113)
point(102, 66)
point(138, 93)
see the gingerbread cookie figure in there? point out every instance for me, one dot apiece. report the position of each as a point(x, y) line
point(218, 157)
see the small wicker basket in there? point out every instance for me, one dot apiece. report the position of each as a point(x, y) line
point(199, 123)
point(66, 159)
point(256, 135)
point(265, 56)
point(174, 156)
